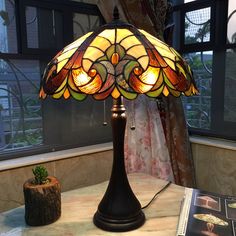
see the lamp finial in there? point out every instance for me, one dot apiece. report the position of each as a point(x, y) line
point(116, 13)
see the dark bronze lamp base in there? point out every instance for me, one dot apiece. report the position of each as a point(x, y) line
point(119, 209)
point(118, 225)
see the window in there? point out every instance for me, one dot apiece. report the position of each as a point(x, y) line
point(205, 34)
point(32, 32)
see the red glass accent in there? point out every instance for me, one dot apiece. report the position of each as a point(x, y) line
point(108, 83)
point(103, 95)
point(138, 70)
point(115, 58)
point(92, 72)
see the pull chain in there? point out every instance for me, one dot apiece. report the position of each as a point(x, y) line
point(132, 127)
point(104, 114)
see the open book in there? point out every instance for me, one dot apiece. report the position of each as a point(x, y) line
point(204, 213)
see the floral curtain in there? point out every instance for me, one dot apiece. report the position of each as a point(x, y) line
point(146, 150)
point(159, 144)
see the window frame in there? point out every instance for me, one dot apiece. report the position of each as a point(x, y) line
point(218, 44)
point(24, 53)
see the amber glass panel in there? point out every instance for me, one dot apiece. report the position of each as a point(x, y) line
point(108, 34)
point(93, 53)
point(144, 62)
point(77, 42)
point(137, 51)
point(100, 43)
point(63, 58)
point(122, 33)
point(129, 42)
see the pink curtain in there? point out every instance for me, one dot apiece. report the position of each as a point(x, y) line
point(159, 145)
point(146, 150)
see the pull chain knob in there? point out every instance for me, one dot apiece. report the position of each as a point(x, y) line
point(104, 114)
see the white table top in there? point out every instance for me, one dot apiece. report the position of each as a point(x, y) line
point(79, 206)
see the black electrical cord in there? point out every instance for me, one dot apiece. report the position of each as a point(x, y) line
point(165, 187)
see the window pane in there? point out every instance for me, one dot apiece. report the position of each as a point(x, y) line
point(197, 26)
point(44, 28)
point(32, 27)
point(231, 35)
point(197, 108)
point(8, 39)
point(230, 86)
point(73, 123)
point(185, 1)
point(20, 110)
point(84, 23)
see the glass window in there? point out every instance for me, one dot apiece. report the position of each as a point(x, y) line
point(197, 26)
point(230, 85)
point(27, 124)
point(20, 115)
point(83, 23)
point(39, 36)
point(198, 108)
point(32, 27)
point(213, 60)
point(72, 123)
point(8, 41)
point(231, 35)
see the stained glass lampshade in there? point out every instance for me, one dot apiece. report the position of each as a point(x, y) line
point(117, 60)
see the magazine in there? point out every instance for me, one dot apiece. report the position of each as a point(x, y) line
point(204, 213)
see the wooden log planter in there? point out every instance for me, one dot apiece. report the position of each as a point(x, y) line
point(42, 201)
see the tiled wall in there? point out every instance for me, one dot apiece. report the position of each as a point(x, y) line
point(215, 168)
point(72, 173)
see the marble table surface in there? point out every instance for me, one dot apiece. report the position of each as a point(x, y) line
point(79, 206)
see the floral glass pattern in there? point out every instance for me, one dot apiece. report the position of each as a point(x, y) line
point(117, 60)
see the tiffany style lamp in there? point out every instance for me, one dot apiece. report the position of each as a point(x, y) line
point(117, 60)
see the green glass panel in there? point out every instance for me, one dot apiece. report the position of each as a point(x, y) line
point(129, 67)
point(59, 94)
point(103, 58)
point(127, 95)
point(174, 92)
point(120, 50)
point(168, 83)
point(110, 51)
point(121, 82)
point(155, 93)
point(77, 96)
point(101, 70)
point(120, 66)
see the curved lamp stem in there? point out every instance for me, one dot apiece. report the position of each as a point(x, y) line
point(119, 210)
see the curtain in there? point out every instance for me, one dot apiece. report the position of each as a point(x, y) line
point(146, 150)
point(159, 144)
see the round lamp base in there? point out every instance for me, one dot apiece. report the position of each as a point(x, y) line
point(118, 225)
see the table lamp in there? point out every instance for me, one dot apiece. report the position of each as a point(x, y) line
point(117, 60)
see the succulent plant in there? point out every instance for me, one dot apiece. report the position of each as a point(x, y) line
point(40, 175)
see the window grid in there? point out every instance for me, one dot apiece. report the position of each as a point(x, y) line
point(25, 125)
point(219, 84)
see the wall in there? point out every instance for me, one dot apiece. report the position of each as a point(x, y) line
point(72, 173)
point(214, 162)
point(215, 165)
